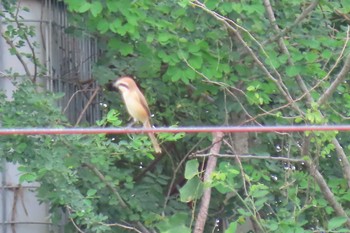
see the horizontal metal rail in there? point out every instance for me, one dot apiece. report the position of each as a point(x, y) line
point(200, 129)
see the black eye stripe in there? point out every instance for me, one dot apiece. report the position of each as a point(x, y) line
point(124, 85)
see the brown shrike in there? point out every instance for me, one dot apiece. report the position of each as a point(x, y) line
point(136, 105)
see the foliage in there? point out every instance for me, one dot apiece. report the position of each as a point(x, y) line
point(76, 171)
point(201, 64)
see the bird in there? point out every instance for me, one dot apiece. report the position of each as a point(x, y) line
point(136, 105)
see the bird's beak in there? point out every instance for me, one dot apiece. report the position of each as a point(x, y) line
point(115, 84)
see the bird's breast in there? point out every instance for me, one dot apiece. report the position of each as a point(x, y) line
point(135, 108)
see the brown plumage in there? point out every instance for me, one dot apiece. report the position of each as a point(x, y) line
point(136, 105)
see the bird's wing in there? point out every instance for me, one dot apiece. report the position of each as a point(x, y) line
point(143, 102)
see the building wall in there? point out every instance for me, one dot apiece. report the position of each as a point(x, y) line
point(20, 211)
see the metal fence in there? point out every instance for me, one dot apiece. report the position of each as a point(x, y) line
point(71, 58)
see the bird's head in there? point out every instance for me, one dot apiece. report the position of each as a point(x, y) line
point(125, 84)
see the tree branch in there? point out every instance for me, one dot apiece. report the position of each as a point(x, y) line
point(339, 79)
point(233, 156)
point(343, 160)
point(69, 210)
point(327, 193)
point(16, 52)
point(331, 70)
point(231, 25)
point(211, 164)
point(314, 172)
point(302, 16)
point(109, 185)
point(285, 50)
point(114, 191)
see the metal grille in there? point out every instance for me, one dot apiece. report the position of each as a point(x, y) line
point(70, 61)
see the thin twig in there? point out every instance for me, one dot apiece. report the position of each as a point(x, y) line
point(233, 156)
point(72, 220)
point(184, 159)
point(244, 180)
point(71, 99)
point(108, 184)
point(17, 53)
point(339, 79)
point(32, 50)
point(121, 226)
point(87, 105)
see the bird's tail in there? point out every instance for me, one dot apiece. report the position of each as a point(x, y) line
point(153, 138)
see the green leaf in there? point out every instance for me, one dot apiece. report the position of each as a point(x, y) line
point(237, 7)
point(174, 224)
point(113, 5)
point(170, 136)
point(115, 25)
point(91, 192)
point(244, 212)
point(231, 228)
point(150, 37)
point(122, 47)
point(126, 49)
point(292, 71)
point(251, 88)
point(85, 6)
point(12, 51)
point(259, 203)
point(345, 6)
point(298, 119)
point(96, 8)
point(164, 37)
point(21, 147)
point(311, 57)
point(183, 3)
point(273, 226)
point(259, 190)
point(211, 4)
point(192, 190)
point(326, 54)
point(336, 222)
point(103, 26)
point(27, 177)
point(196, 61)
point(260, 193)
point(194, 49)
point(191, 169)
